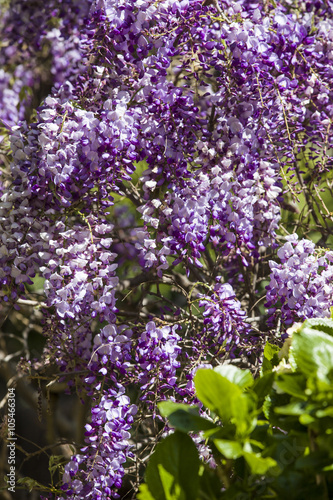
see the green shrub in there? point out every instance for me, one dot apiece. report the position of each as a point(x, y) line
point(271, 437)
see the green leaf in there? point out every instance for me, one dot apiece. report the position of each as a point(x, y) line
point(293, 384)
point(31, 484)
point(230, 449)
point(271, 358)
point(322, 324)
point(184, 418)
point(256, 443)
point(172, 472)
point(217, 393)
point(262, 386)
point(168, 407)
point(327, 412)
point(226, 399)
point(186, 422)
point(295, 408)
point(313, 353)
point(306, 419)
point(144, 493)
point(258, 464)
point(227, 431)
point(243, 378)
point(172, 489)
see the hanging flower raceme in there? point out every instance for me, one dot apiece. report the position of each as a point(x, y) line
point(224, 319)
point(157, 359)
point(107, 438)
point(301, 284)
point(96, 470)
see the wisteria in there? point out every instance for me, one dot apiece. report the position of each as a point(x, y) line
point(162, 158)
point(302, 282)
point(223, 318)
point(106, 451)
point(156, 356)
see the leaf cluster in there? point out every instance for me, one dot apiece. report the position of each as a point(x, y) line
point(270, 437)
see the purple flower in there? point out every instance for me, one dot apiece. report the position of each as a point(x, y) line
point(107, 448)
point(301, 285)
point(224, 319)
point(157, 358)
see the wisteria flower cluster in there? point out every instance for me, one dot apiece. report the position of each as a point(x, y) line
point(223, 318)
point(106, 451)
point(157, 151)
point(156, 356)
point(302, 282)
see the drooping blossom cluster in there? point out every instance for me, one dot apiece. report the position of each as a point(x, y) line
point(107, 449)
point(165, 136)
point(156, 357)
point(38, 40)
point(11, 86)
point(301, 284)
point(80, 284)
point(224, 317)
point(214, 206)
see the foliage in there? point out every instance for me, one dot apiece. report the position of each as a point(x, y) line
point(271, 437)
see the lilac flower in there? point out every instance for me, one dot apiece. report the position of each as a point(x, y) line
point(107, 448)
point(157, 358)
point(12, 106)
point(224, 318)
point(301, 283)
point(218, 105)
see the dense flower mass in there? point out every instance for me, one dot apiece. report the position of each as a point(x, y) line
point(153, 146)
point(106, 451)
point(156, 355)
point(223, 318)
point(302, 282)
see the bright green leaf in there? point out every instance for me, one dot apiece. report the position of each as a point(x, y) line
point(243, 378)
point(271, 358)
point(259, 445)
point(327, 412)
point(258, 464)
point(295, 408)
point(144, 493)
point(322, 324)
point(168, 407)
point(230, 449)
point(306, 419)
point(217, 393)
point(293, 384)
point(226, 399)
point(171, 488)
point(172, 472)
point(313, 352)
